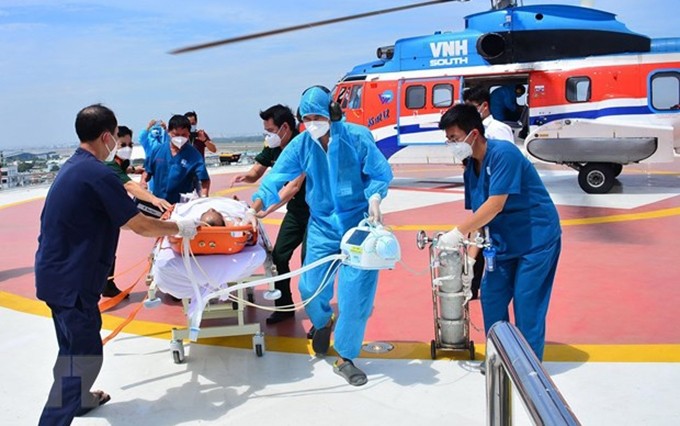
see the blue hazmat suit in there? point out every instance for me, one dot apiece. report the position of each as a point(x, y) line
point(526, 235)
point(151, 139)
point(339, 184)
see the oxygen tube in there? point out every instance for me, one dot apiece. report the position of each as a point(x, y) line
point(199, 303)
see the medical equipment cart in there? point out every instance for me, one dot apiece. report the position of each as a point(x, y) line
point(450, 309)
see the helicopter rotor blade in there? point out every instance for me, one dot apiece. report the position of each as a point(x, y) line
point(304, 26)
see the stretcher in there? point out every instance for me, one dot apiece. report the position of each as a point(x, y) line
point(178, 271)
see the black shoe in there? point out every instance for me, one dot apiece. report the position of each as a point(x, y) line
point(321, 339)
point(278, 316)
point(110, 290)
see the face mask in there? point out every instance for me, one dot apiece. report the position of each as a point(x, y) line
point(112, 152)
point(179, 141)
point(272, 140)
point(193, 128)
point(124, 153)
point(461, 150)
point(317, 129)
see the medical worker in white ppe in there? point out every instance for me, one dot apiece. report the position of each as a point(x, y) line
point(347, 177)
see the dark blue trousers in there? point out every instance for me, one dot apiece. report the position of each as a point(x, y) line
point(78, 362)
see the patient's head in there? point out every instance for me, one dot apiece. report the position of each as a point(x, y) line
point(212, 217)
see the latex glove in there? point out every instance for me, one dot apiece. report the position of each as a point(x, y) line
point(187, 227)
point(467, 278)
point(374, 214)
point(451, 240)
point(250, 218)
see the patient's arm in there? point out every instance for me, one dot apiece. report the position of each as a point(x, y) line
point(286, 194)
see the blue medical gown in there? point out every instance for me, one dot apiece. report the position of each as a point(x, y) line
point(527, 238)
point(339, 184)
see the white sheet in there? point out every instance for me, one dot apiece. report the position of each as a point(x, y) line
point(172, 277)
point(170, 273)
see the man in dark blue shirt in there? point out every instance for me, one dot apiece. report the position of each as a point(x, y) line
point(80, 222)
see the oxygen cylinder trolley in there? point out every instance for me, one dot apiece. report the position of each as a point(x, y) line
point(449, 298)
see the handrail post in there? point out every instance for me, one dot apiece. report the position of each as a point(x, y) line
point(510, 363)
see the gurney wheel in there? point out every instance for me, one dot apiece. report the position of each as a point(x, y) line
point(258, 350)
point(177, 348)
point(433, 349)
point(472, 350)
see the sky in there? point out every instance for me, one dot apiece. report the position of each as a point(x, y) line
point(60, 56)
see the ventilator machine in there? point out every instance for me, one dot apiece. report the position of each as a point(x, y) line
point(370, 246)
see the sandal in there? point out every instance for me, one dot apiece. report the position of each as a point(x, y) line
point(350, 372)
point(98, 398)
point(321, 339)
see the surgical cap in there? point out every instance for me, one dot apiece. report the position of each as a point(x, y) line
point(315, 101)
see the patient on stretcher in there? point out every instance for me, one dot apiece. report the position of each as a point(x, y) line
point(235, 250)
point(212, 218)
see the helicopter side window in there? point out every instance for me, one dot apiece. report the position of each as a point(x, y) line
point(442, 95)
point(578, 89)
point(415, 97)
point(665, 91)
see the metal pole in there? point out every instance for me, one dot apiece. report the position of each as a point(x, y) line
point(511, 364)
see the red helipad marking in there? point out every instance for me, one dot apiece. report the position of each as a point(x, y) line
point(617, 283)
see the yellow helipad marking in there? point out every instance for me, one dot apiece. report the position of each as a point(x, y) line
point(17, 203)
point(627, 217)
point(402, 350)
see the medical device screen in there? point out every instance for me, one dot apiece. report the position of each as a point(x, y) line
point(357, 237)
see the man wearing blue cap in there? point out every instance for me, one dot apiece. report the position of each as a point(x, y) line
point(347, 177)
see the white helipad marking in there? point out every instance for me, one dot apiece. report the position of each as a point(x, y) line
point(630, 192)
point(400, 200)
point(218, 386)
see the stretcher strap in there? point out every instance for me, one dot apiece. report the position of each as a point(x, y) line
point(123, 324)
point(112, 302)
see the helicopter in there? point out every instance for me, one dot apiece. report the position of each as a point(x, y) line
point(598, 96)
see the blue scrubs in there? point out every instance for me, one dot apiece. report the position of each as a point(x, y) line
point(527, 238)
point(339, 184)
point(80, 223)
point(174, 175)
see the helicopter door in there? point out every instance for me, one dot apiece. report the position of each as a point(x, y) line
point(420, 107)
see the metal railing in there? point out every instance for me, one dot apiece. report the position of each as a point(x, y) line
point(510, 363)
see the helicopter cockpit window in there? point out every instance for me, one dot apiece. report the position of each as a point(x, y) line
point(578, 89)
point(415, 97)
point(355, 97)
point(442, 95)
point(342, 97)
point(665, 91)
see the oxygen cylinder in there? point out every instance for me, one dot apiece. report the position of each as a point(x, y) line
point(449, 268)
